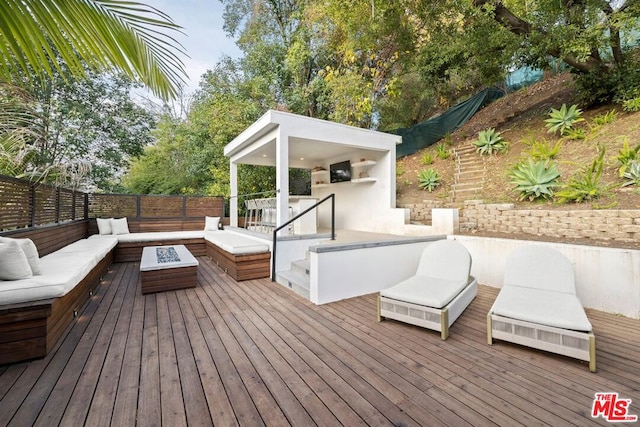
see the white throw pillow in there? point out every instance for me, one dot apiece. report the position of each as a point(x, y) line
point(104, 225)
point(30, 251)
point(13, 262)
point(119, 226)
point(211, 223)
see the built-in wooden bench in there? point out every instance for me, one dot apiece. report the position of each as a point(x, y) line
point(243, 265)
point(30, 330)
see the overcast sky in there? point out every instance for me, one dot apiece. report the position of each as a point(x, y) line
point(204, 41)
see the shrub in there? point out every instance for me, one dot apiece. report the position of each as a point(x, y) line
point(563, 119)
point(633, 174)
point(606, 118)
point(631, 105)
point(442, 151)
point(489, 141)
point(605, 84)
point(541, 150)
point(575, 134)
point(429, 179)
point(535, 179)
point(585, 184)
point(626, 155)
point(427, 159)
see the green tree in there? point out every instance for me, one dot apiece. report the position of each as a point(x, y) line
point(596, 38)
point(105, 35)
point(79, 133)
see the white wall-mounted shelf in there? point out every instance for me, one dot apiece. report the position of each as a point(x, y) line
point(322, 176)
point(363, 180)
point(363, 164)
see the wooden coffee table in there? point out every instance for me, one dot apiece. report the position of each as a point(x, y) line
point(167, 268)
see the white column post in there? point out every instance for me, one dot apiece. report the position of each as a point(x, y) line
point(282, 178)
point(233, 201)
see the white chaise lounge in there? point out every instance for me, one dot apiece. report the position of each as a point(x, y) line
point(538, 307)
point(437, 294)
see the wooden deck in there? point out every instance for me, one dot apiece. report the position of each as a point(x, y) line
point(253, 353)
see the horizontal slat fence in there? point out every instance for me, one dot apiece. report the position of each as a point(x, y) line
point(24, 204)
point(154, 206)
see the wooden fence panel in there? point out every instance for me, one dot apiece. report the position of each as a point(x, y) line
point(15, 203)
point(24, 204)
point(161, 206)
point(112, 205)
point(46, 205)
point(205, 206)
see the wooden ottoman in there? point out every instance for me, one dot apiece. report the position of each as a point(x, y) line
point(167, 268)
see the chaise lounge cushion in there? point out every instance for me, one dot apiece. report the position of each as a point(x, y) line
point(541, 306)
point(426, 291)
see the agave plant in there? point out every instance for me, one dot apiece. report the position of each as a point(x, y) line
point(626, 156)
point(563, 119)
point(633, 174)
point(535, 179)
point(489, 141)
point(429, 179)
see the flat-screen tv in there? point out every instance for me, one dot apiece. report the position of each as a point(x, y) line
point(340, 172)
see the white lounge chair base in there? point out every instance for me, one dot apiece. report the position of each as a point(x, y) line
point(538, 307)
point(437, 294)
point(437, 319)
point(576, 344)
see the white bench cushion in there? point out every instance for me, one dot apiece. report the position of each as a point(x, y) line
point(426, 291)
point(544, 307)
point(234, 243)
point(154, 236)
point(61, 272)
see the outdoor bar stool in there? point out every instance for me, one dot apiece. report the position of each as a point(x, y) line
point(251, 214)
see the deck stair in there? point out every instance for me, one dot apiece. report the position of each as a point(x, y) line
point(469, 176)
point(297, 277)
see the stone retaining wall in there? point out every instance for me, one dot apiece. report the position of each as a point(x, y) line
point(617, 225)
point(421, 212)
point(611, 224)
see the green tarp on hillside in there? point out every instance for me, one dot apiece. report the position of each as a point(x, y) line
point(428, 132)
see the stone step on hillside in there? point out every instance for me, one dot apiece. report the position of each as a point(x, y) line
point(469, 175)
point(465, 194)
point(466, 185)
point(466, 149)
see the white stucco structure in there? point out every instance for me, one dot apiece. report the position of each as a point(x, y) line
point(284, 140)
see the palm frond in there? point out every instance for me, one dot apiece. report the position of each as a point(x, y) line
point(104, 34)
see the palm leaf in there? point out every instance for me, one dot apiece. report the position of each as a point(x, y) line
point(103, 34)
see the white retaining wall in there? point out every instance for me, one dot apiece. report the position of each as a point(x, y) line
point(607, 279)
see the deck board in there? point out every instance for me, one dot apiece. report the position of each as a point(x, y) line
point(253, 353)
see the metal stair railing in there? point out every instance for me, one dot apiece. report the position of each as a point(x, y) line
point(331, 196)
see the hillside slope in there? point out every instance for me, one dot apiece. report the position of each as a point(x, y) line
point(520, 117)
